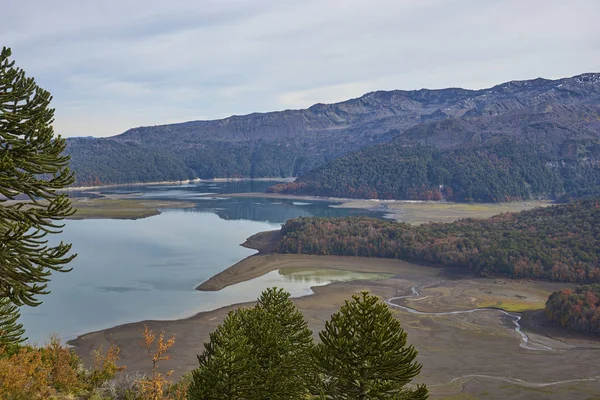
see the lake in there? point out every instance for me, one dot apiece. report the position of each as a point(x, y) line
point(133, 270)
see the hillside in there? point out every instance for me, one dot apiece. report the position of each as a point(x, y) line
point(560, 243)
point(512, 156)
point(294, 142)
point(499, 171)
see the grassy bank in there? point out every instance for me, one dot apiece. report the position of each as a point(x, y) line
point(115, 208)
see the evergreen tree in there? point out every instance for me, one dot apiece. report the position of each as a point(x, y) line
point(227, 365)
point(363, 354)
point(257, 353)
point(33, 168)
point(11, 332)
point(282, 343)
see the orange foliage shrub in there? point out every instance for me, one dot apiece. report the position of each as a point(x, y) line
point(157, 386)
point(45, 372)
point(24, 375)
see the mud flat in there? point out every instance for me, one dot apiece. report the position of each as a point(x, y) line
point(417, 212)
point(414, 212)
point(258, 265)
point(465, 356)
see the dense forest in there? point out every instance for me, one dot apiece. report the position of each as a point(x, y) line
point(501, 171)
point(560, 243)
point(485, 159)
point(577, 309)
point(430, 132)
point(105, 161)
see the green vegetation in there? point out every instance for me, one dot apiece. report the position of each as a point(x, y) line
point(33, 168)
point(108, 161)
point(554, 125)
point(504, 170)
point(11, 332)
point(363, 354)
point(558, 243)
point(267, 352)
point(226, 366)
point(577, 309)
point(512, 305)
point(257, 352)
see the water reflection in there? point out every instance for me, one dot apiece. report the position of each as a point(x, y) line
point(129, 271)
point(297, 283)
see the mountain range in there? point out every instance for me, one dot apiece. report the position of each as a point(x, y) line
point(541, 137)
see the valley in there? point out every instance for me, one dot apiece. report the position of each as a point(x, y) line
point(261, 200)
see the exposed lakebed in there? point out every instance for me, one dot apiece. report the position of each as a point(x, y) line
point(132, 270)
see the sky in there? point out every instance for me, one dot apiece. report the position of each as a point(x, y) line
point(114, 65)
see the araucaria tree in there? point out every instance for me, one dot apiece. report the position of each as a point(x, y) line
point(11, 332)
point(227, 366)
point(282, 343)
point(258, 353)
point(32, 169)
point(363, 354)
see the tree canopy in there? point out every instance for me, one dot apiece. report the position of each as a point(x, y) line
point(363, 354)
point(259, 352)
point(577, 308)
point(32, 170)
point(267, 352)
point(504, 170)
point(560, 243)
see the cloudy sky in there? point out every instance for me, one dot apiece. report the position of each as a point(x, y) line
point(112, 65)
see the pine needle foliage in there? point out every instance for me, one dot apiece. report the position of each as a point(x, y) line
point(32, 169)
point(282, 342)
point(11, 332)
point(258, 353)
point(227, 366)
point(363, 354)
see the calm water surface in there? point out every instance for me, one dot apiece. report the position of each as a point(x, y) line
point(130, 271)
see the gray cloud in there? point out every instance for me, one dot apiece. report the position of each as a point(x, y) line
point(112, 65)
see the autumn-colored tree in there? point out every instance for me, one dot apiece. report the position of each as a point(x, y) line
point(24, 375)
point(52, 371)
point(363, 354)
point(156, 386)
point(63, 365)
point(105, 366)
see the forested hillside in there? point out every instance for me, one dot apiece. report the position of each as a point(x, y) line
point(485, 159)
point(560, 243)
point(577, 308)
point(544, 113)
point(502, 171)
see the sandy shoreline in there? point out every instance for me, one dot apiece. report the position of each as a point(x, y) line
point(258, 265)
point(193, 331)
